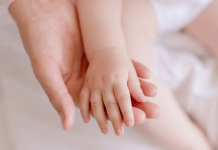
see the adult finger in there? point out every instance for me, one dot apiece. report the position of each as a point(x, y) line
point(139, 112)
point(151, 110)
point(50, 78)
point(141, 70)
point(135, 88)
point(149, 89)
point(139, 115)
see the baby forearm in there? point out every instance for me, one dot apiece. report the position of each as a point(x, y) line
point(139, 26)
point(101, 25)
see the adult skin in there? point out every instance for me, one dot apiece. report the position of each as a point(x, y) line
point(51, 36)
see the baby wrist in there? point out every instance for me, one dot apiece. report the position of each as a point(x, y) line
point(105, 52)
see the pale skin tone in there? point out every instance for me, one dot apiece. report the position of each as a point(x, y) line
point(165, 130)
point(138, 23)
point(204, 28)
point(111, 77)
point(171, 130)
point(51, 36)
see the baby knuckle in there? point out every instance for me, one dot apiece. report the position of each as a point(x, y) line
point(82, 98)
point(100, 121)
point(111, 104)
point(124, 98)
point(120, 77)
point(115, 120)
point(127, 114)
point(135, 87)
point(83, 111)
point(107, 79)
point(104, 78)
point(90, 81)
point(95, 104)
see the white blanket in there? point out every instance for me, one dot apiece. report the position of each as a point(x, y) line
point(192, 74)
point(28, 121)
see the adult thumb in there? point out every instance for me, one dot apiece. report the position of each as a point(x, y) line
point(50, 78)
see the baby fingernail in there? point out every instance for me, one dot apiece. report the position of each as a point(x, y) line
point(86, 120)
point(105, 131)
point(119, 132)
point(129, 123)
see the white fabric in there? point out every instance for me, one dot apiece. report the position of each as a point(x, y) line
point(28, 121)
point(173, 15)
point(191, 73)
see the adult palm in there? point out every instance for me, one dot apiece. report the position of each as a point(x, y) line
point(51, 36)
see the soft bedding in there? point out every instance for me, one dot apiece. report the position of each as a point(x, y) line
point(192, 74)
point(28, 121)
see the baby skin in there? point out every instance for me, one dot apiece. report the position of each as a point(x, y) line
point(111, 77)
point(114, 32)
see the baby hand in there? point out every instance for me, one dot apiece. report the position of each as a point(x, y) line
point(110, 80)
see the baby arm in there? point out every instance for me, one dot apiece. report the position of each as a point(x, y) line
point(111, 77)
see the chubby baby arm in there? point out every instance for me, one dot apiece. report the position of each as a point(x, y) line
point(111, 77)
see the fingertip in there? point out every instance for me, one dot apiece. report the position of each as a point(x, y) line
point(139, 116)
point(129, 123)
point(67, 121)
point(147, 74)
point(153, 91)
point(143, 73)
point(140, 97)
point(156, 113)
point(105, 130)
point(85, 116)
point(119, 132)
point(148, 89)
point(141, 70)
point(86, 119)
point(151, 110)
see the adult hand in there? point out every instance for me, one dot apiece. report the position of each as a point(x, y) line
point(51, 37)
